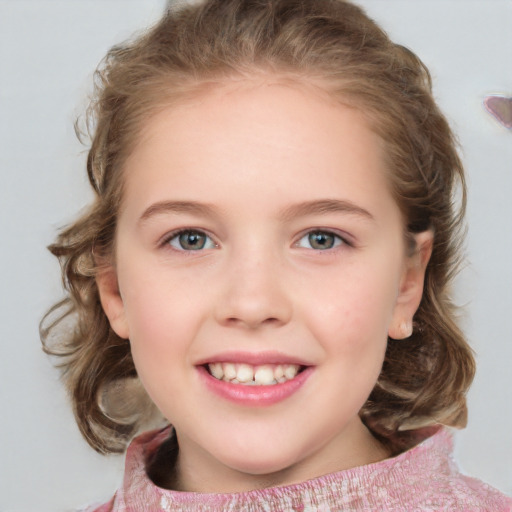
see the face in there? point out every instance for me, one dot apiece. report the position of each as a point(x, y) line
point(260, 266)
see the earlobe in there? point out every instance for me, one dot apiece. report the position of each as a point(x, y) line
point(111, 301)
point(411, 287)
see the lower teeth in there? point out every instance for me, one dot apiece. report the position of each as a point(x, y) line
point(253, 382)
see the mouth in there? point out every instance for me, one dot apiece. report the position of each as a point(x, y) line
point(254, 379)
point(253, 375)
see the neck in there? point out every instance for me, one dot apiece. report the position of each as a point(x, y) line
point(194, 470)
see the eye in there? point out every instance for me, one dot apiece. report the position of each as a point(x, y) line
point(190, 240)
point(320, 240)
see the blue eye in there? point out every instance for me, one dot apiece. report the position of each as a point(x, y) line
point(191, 240)
point(320, 240)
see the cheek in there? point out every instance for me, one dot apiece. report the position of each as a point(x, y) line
point(355, 310)
point(160, 326)
point(159, 339)
point(156, 304)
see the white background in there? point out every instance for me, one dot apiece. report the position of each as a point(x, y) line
point(48, 50)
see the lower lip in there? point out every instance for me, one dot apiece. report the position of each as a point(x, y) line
point(254, 395)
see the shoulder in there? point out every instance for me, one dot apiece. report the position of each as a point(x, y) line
point(434, 482)
point(460, 492)
point(106, 507)
point(136, 487)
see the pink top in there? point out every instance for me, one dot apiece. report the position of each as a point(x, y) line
point(424, 478)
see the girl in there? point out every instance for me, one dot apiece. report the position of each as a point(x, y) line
point(266, 263)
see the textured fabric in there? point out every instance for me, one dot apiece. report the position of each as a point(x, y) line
point(424, 478)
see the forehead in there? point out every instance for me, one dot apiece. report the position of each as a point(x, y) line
point(294, 137)
point(256, 100)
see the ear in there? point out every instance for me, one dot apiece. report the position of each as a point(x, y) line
point(112, 301)
point(411, 286)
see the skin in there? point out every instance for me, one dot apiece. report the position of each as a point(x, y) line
point(252, 152)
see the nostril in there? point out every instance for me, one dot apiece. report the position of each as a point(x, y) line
point(253, 323)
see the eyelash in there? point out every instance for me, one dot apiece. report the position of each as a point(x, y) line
point(175, 235)
point(338, 242)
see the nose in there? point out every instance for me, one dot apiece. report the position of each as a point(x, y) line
point(254, 293)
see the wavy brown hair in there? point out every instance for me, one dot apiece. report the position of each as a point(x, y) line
point(424, 379)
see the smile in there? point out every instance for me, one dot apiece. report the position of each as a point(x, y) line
point(250, 375)
point(259, 384)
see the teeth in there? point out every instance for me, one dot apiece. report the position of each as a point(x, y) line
point(229, 371)
point(263, 375)
point(278, 372)
point(216, 370)
point(245, 373)
point(290, 371)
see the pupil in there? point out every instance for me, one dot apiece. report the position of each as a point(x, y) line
point(321, 240)
point(192, 241)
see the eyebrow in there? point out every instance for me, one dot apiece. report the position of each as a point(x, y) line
point(324, 206)
point(316, 207)
point(163, 207)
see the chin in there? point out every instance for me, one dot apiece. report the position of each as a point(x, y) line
point(259, 462)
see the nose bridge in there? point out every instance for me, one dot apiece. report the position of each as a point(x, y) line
point(255, 292)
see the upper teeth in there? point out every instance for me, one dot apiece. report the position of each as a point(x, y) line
point(263, 375)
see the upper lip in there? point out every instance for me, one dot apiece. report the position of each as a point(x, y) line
point(253, 358)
